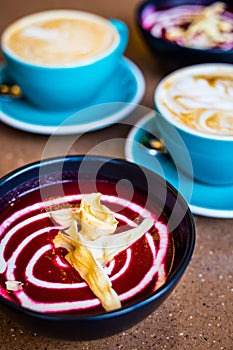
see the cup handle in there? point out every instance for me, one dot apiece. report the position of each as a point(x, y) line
point(122, 29)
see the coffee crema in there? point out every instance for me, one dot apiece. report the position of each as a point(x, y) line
point(200, 101)
point(59, 38)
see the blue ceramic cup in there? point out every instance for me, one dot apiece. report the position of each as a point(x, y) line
point(196, 103)
point(62, 86)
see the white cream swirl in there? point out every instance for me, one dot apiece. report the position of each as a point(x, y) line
point(37, 235)
point(199, 98)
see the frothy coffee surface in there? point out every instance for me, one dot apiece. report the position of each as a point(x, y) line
point(202, 100)
point(60, 41)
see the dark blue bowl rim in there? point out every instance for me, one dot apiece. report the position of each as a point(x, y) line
point(139, 10)
point(162, 291)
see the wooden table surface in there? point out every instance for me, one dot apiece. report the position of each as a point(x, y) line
point(198, 314)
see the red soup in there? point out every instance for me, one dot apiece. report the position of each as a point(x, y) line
point(47, 283)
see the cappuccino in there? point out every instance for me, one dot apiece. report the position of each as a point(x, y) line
point(60, 38)
point(199, 98)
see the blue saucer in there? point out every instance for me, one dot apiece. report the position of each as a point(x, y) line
point(203, 199)
point(114, 102)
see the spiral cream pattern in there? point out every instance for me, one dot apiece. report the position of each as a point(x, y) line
point(36, 243)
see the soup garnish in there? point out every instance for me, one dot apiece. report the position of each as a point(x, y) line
point(195, 26)
point(95, 244)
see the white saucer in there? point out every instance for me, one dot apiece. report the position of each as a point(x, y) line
point(113, 103)
point(203, 199)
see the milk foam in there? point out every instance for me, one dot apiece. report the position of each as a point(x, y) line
point(41, 33)
point(199, 99)
point(60, 38)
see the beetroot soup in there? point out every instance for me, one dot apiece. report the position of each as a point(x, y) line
point(35, 274)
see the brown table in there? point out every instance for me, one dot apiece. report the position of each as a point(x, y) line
point(198, 314)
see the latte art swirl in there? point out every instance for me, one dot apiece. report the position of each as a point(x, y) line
point(60, 38)
point(203, 102)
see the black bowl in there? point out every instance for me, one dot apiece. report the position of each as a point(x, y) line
point(172, 56)
point(169, 208)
